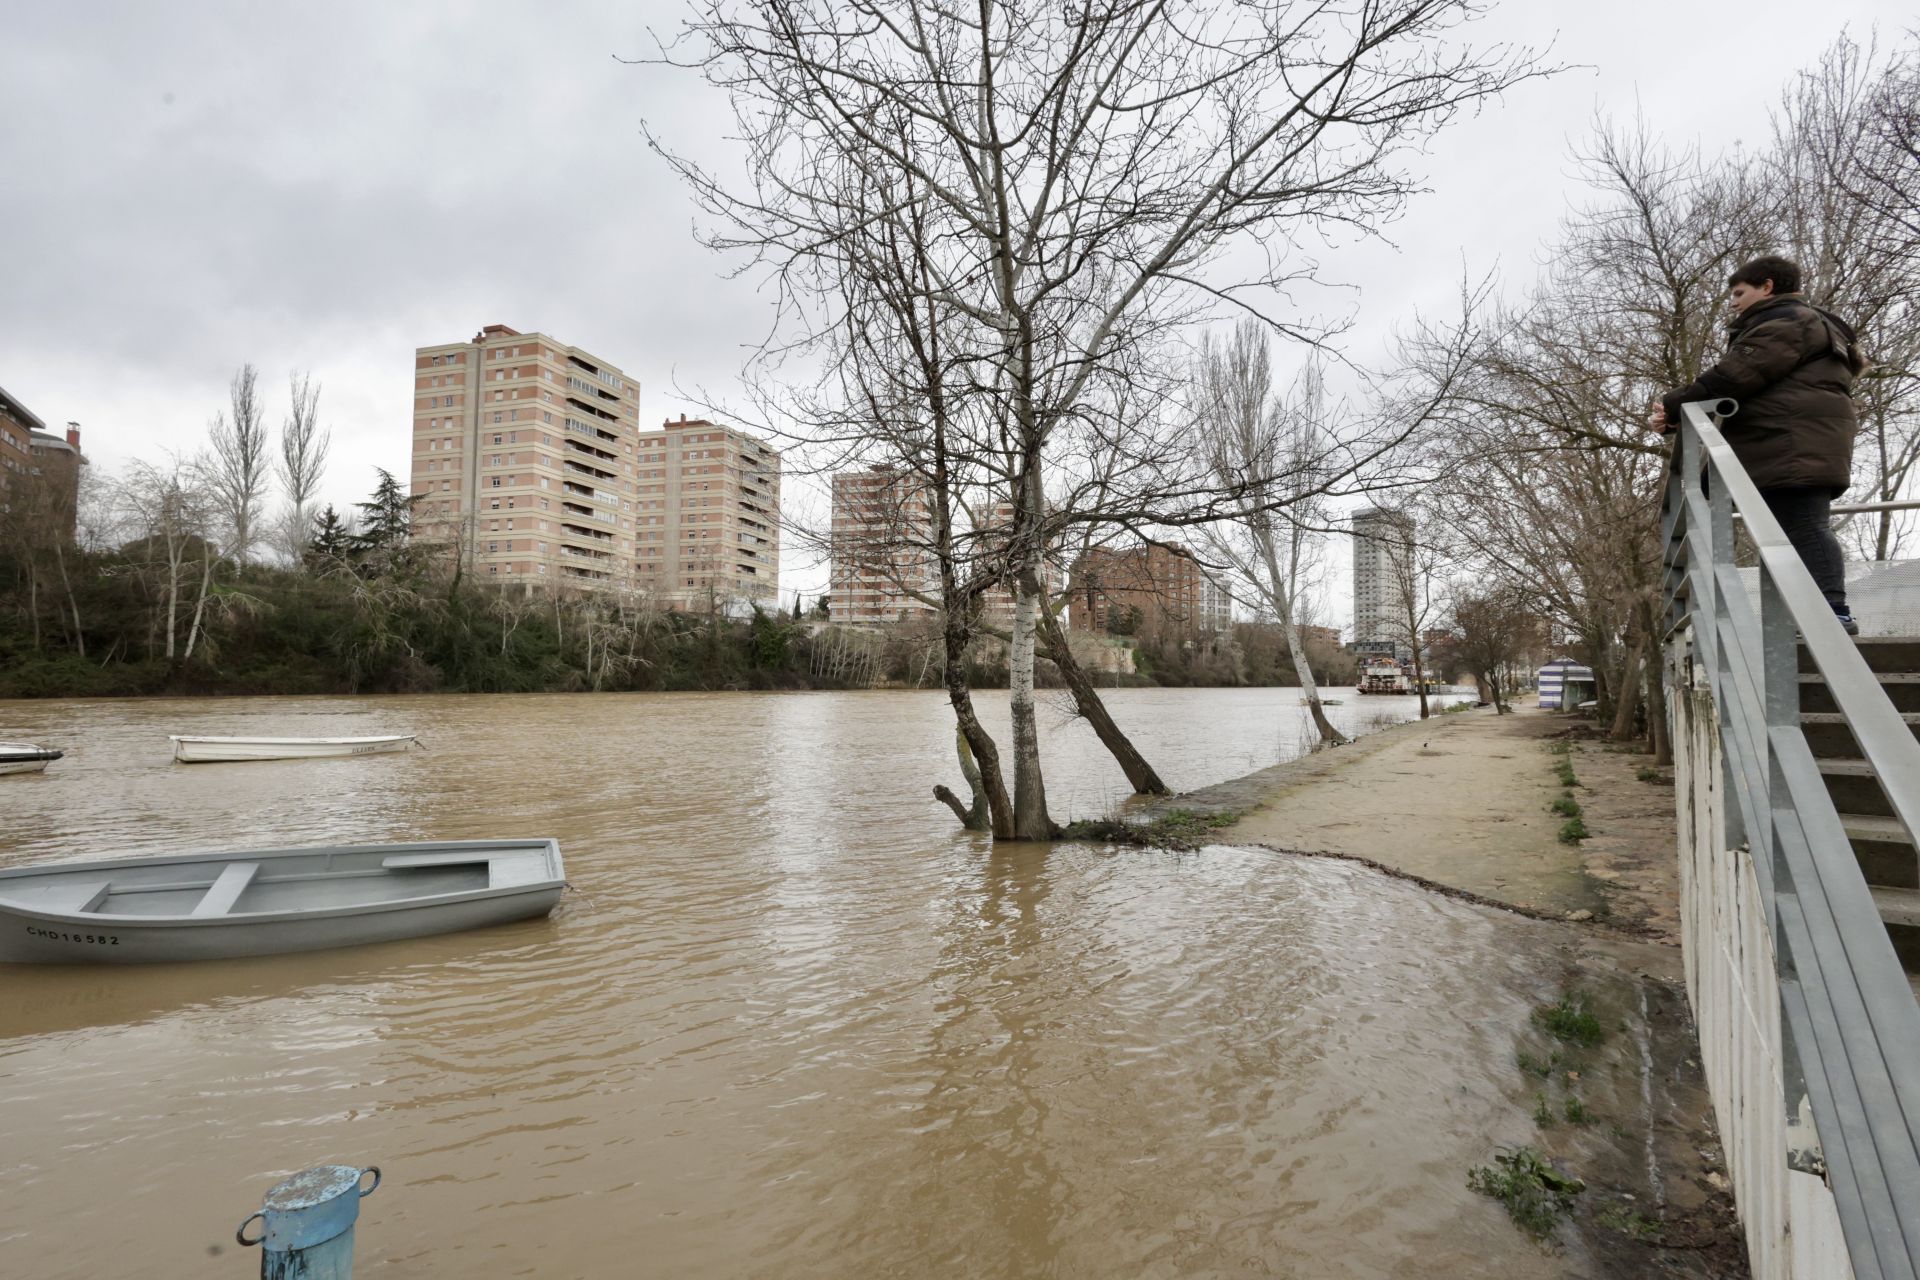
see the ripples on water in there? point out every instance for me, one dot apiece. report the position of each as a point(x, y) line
point(793, 1023)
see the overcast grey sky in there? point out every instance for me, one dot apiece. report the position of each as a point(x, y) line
point(192, 185)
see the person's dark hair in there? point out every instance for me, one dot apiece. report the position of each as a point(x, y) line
point(1784, 273)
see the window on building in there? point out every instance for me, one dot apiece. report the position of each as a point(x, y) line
point(496, 482)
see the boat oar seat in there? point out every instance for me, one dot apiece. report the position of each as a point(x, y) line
point(73, 895)
point(227, 888)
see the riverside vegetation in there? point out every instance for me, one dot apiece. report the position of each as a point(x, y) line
point(154, 604)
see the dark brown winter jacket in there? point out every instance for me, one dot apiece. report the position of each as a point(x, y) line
point(1791, 367)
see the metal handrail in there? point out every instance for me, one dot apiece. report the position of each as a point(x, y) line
point(1854, 1042)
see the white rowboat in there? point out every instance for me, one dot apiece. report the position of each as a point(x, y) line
point(264, 902)
point(206, 750)
point(24, 757)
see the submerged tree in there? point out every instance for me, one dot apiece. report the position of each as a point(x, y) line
point(1066, 187)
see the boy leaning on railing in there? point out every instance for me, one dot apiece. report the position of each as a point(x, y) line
point(1792, 367)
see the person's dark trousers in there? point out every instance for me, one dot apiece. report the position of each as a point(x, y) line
point(1806, 517)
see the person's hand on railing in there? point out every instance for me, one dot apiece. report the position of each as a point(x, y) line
point(1657, 419)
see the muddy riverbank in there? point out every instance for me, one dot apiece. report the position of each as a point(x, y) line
point(1463, 806)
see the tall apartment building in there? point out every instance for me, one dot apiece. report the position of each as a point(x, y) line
point(707, 516)
point(17, 425)
point(523, 455)
point(1146, 587)
point(881, 547)
point(1382, 541)
point(57, 460)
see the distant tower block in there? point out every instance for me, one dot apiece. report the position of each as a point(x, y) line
point(1380, 536)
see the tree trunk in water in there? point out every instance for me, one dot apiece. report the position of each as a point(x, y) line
point(974, 817)
point(1420, 681)
point(1030, 818)
point(986, 755)
point(1141, 774)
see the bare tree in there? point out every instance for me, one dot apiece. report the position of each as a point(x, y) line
point(172, 517)
point(1273, 452)
point(1414, 567)
point(1072, 183)
point(1836, 139)
point(237, 468)
point(304, 444)
point(1490, 631)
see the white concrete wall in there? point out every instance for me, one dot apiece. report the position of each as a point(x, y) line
point(1792, 1228)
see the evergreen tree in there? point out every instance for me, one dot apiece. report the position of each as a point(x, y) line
point(331, 537)
point(796, 608)
point(386, 523)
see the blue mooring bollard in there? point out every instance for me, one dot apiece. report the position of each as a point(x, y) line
point(307, 1223)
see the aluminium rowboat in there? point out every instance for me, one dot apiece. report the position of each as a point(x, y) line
point(188, 749)
point(268, 901)
point(25, 757)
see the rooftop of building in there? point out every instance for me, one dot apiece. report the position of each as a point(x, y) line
point(19, 412)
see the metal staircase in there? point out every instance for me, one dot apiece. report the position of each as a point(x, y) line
point(1811, 785)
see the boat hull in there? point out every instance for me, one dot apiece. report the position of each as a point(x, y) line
point(30, 939)
point(201, 750)
point(25, 757)
point(270, 902)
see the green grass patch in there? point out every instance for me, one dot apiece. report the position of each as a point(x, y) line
point(1543, 1115)
point(1570, 1020)
point(1577, 1112)
point(1560, 748)
point(1566, 806)
point(1536, 1194)
point(1534, 1066)
point(1573, 831)
point(1649, 774)
point(1566, 775)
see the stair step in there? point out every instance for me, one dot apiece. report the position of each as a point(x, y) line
point(1883, 850)
point(1900, 911)
point(1854, 788)
point(1901, 687)
point(1883, 653)
point(1829, 737)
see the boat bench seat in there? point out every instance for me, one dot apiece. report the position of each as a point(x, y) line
point(226, 890)
point(401, 861)
point(79, 895)
point(506, 868)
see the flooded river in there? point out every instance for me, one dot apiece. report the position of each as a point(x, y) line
point(791, 1024)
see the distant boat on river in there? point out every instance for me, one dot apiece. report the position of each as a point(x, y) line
point(264, 902)
point(24, 757)
point(209, 750)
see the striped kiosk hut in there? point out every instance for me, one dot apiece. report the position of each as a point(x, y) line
point(1564, 683)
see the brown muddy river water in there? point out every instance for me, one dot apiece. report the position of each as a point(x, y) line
point(792, 1024)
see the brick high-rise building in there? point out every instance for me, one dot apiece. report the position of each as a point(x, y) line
point(881, 547)
point(708, 517)
point(17, 425)
point(56, 462)
point(523, 454)
point(1148, 587)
